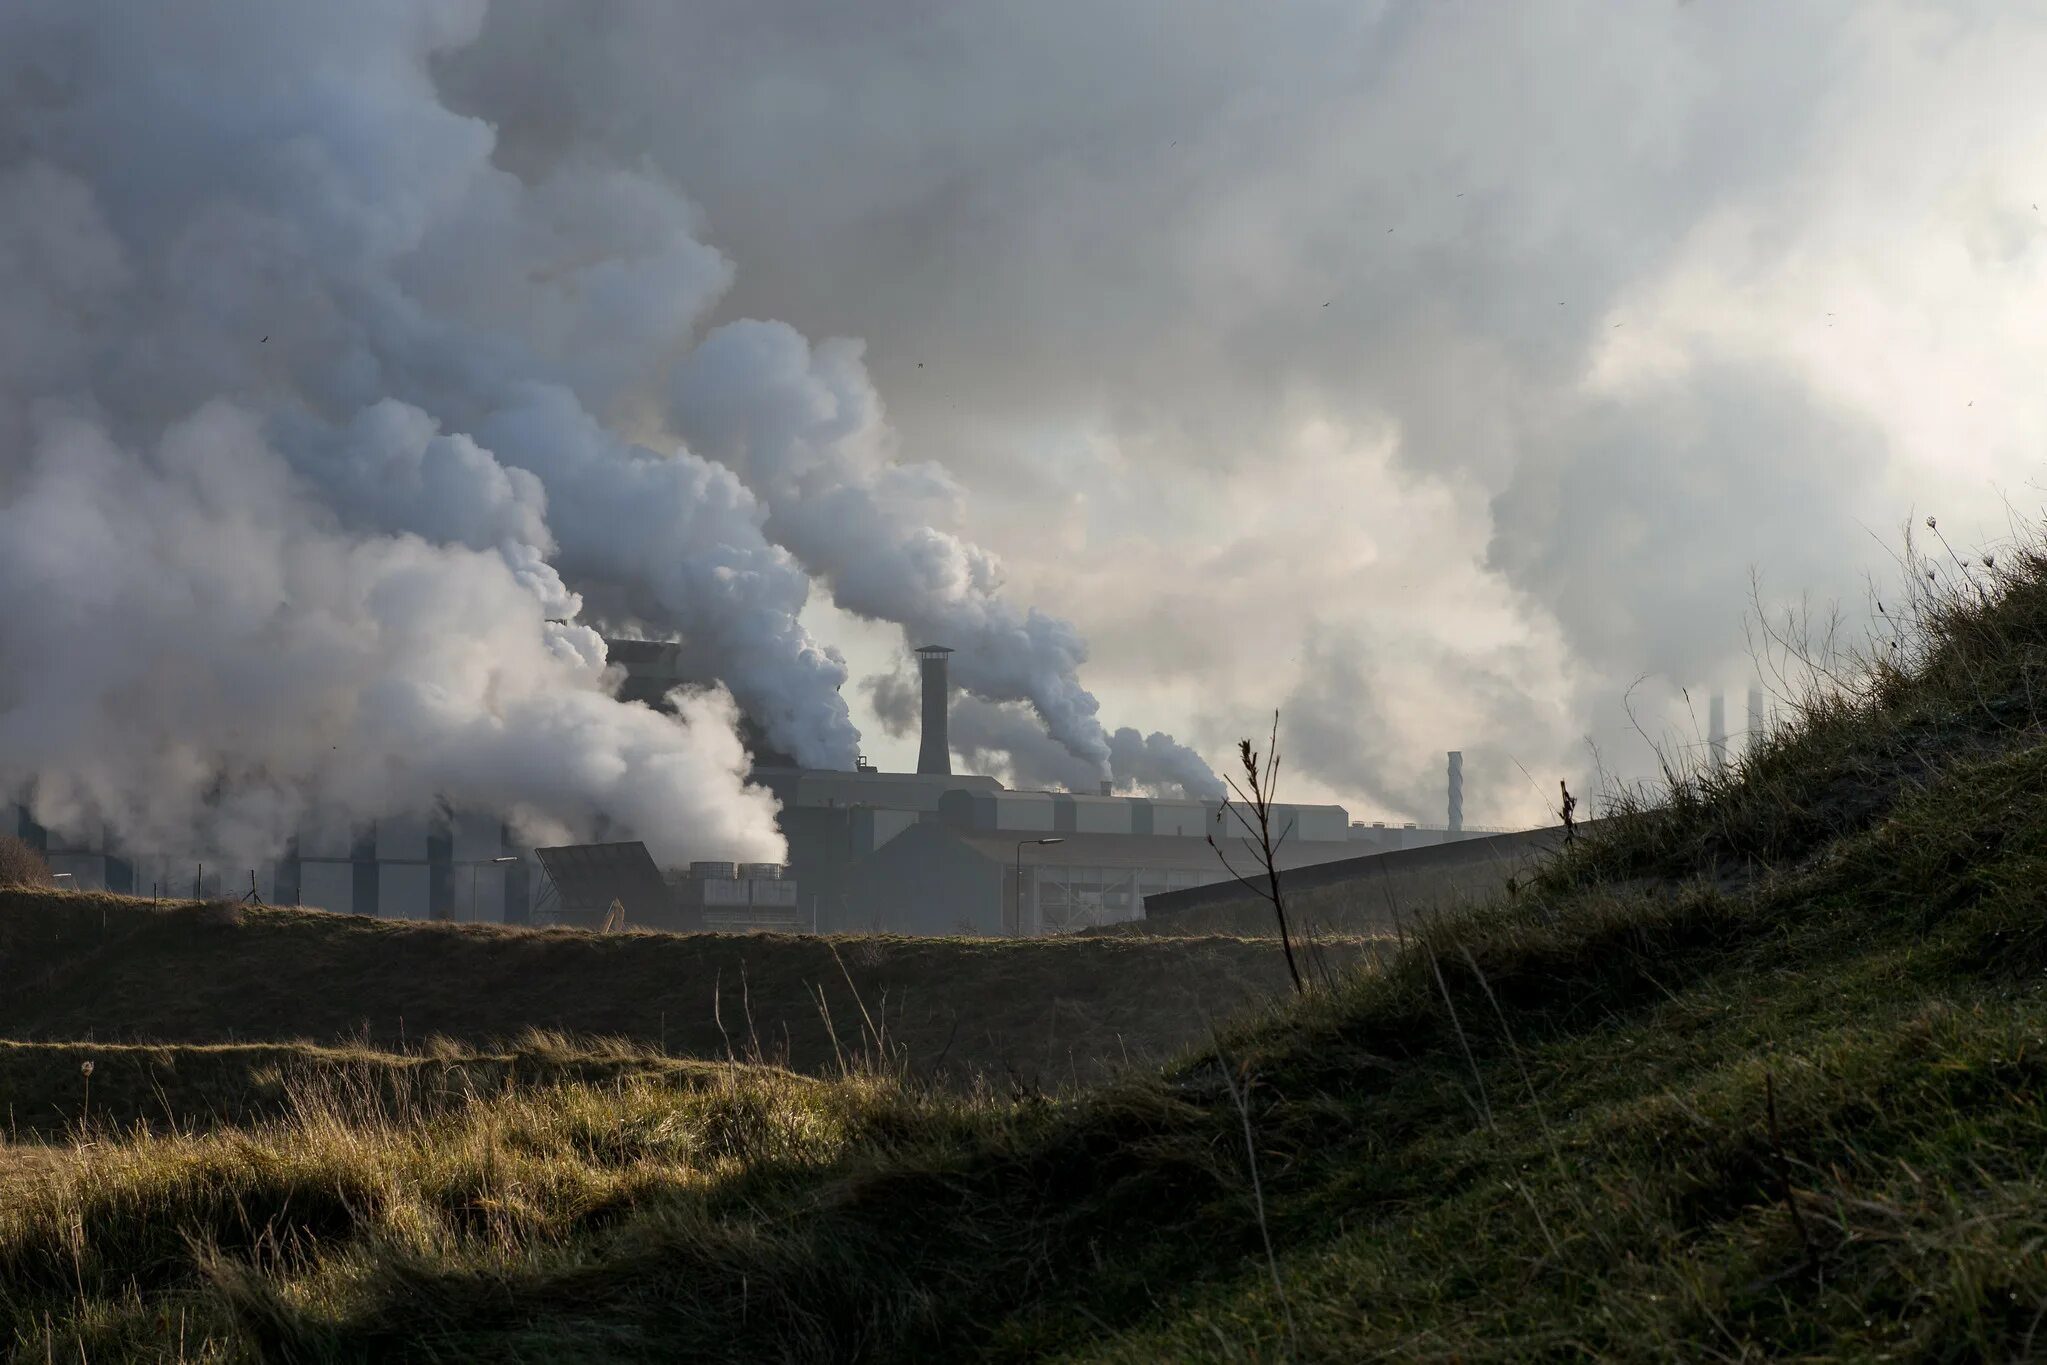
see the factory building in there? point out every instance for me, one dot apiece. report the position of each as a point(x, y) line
point(929, 852)
point(934, 852)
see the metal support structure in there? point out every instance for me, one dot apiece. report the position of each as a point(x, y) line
point(1019, 877)
point(476, 866)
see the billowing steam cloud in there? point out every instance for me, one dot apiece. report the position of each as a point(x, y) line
point(311, 402)
point(804, 427)
point(196, 648)
point(253, 264)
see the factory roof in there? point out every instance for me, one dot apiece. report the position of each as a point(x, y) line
point(842, 775)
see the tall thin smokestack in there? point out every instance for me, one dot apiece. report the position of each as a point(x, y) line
point(1456, 792)
point(934, 755)
point(1716, 731)
point(1757, 726)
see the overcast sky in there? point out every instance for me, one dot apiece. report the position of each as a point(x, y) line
point(1442, 375)
point(1431, 372)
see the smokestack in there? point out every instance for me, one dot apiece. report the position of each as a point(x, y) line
point(1456, 792)
point(934, 755)
point(1716, 731)
point(1756, 724)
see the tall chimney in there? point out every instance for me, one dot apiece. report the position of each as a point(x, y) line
point(1716, 732)
point(1757, 726)
point(934, 755)
point(1456, 792)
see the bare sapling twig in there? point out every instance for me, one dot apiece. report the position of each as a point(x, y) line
point(718, 1014)
point(874, 1042)
point(1570, 808)
point(1251, 805)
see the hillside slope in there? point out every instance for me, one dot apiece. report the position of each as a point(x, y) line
point(1050, 1011)
point(1759, 1072)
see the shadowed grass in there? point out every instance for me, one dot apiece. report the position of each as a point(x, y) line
point(1759, 1072)
point(1054, 1011)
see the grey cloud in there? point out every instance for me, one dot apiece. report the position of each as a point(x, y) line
point(1638, 520)
point(1043, 222)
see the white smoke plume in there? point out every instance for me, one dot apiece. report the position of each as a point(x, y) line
point(196, 650)
point(253, 265)
point(1005, 739)
point(1158, 762)
point(296, 310)
point(804, 426)
point(801, 424)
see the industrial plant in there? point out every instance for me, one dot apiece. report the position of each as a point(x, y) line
point(929, 852)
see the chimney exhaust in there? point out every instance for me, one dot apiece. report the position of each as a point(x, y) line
point(1456, 791)
point(934, 754)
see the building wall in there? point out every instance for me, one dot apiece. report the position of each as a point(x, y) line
point(1187, 819)
point(1065, 897)
point(920, 792)
point(1025, 812)
point(940, 879)
point(925, 882)
point(396, 869)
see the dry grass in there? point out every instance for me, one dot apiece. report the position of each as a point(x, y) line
point(21, 865)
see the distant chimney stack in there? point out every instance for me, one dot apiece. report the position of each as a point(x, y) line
point(1716, 732)
point(1758, 727)
point(934, 754)
point(1456, 792)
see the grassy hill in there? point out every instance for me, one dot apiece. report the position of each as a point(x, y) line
point(1759, 1071)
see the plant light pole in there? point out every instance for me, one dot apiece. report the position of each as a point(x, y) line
point(474, 867)
point(1019, 877)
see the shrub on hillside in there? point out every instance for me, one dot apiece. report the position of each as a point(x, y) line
point(21, 865)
